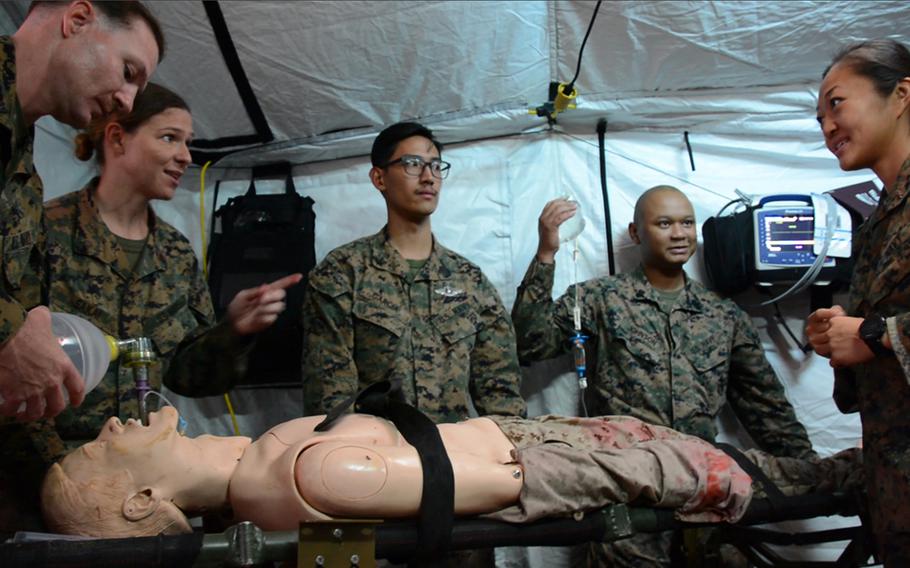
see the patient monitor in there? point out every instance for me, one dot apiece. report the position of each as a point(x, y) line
point(784, 237)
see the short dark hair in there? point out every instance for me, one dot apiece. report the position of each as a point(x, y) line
point(154, 99)
point(884, 62)
point(385, 144)
point(122, 14)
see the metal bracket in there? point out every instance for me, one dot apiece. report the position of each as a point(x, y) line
point(618, 523)
point(337, 544)
point(245, 545)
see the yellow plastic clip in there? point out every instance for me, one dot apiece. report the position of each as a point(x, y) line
point(564, 100)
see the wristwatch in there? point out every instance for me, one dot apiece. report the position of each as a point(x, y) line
point(871, 331)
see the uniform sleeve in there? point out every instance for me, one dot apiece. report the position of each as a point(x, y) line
point(542, 326)
point(758, 397)
point(329, 372)
point(211, 358)
point(495, 374)
point(899, 333)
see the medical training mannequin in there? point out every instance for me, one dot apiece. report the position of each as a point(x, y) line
point(135, 480)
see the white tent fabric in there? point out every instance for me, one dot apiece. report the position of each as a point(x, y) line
point(739, 77)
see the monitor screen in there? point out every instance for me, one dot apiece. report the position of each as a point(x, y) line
point(784, 237)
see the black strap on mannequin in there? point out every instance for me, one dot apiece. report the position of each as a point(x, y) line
point(774, 494)
point(437, 503)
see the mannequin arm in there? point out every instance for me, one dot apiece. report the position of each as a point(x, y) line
point(358, 480)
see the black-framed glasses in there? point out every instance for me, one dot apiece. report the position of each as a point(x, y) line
point(414, 165)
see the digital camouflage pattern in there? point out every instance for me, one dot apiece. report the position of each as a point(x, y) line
point(879, 389)
point(164, 298)
point(21, 196)
point(21, 249)
point(675, 370)
point(445, 337)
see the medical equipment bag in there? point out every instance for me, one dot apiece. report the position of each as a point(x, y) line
point(258, 238)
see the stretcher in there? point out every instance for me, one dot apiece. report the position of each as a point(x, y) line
point(359, 543)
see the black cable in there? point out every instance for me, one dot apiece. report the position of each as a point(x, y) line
point(805, 348)
point(601, 132)
point(689, 148)
point(568, 88)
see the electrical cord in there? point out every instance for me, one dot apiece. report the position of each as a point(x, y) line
point(205, 267)
point(804, 347)
point(205, 271)
point(571, 85)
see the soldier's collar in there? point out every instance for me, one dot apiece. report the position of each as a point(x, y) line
point(92, 237)
point(439, 265)
point(690, 301)
point(892, 197)
point(95, 239)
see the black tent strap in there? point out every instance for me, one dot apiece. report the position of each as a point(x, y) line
point(200, 157)
point(239, 141)
point(601, 133)
point(234, 66)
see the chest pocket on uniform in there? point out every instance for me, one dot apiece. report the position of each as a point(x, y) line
point(645, 348)
point(374, 310)
point(710, 360)
point(457, 323)
point(17, 250)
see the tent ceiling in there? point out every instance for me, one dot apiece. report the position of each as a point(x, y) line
point(352, 67)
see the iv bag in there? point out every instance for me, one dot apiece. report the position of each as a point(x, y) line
point(573, 226)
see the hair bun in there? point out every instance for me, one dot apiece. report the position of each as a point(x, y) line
point(84, 147)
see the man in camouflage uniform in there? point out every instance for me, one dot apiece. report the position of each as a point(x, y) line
point(43, 71)
point(398, 305)
point(668, 351)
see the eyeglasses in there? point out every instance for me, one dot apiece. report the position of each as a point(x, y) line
point(414, 165)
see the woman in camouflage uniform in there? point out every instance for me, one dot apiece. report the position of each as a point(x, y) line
point(113, 261)
point(864, 113)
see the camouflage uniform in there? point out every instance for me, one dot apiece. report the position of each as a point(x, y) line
point(22, 248)
point(619, 459)
point(879, 389)
point(21, 195)
point(444, 337)
point(164, 298)
point(675, 370)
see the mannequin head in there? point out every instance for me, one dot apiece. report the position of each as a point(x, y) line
point(136, 480)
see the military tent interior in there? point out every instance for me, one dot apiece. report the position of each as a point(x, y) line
point(714, 98)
